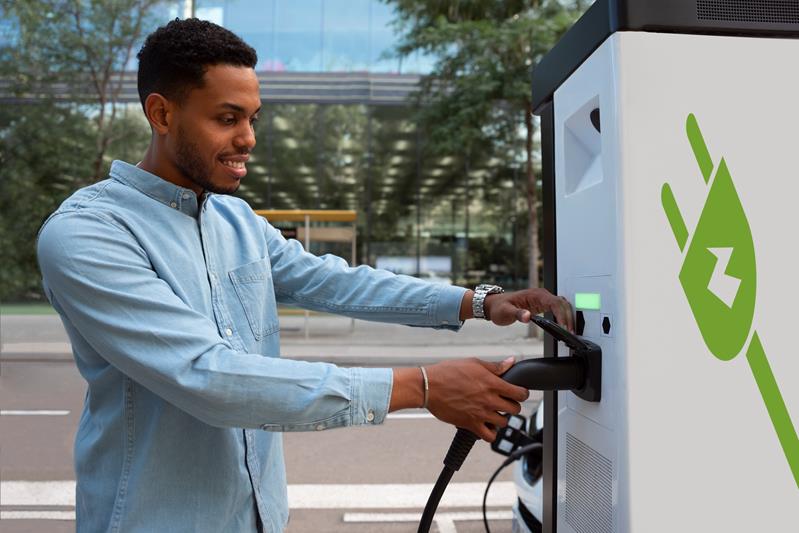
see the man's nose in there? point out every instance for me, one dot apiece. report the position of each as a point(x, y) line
point(245, 137)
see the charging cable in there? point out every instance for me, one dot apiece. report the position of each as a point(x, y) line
point(580, 373)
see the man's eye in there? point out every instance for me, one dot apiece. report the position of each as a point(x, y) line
point(253, 120)
point(227, 121)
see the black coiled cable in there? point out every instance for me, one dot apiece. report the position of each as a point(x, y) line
point(461, 446)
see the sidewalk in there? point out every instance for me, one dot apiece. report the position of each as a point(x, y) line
point(331, 338)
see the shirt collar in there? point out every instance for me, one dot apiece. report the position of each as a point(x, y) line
point(169, 194)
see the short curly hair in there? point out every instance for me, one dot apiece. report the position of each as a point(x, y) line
point(174, 58)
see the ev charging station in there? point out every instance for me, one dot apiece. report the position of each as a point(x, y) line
point(670, 140)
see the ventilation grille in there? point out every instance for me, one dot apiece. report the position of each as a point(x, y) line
point(764, 11)
point(589, 488)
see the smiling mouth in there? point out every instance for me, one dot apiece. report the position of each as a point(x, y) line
point(239, 165)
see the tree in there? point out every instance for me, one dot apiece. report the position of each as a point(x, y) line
point(478, 92)
point(60, 114)
point(77, 50)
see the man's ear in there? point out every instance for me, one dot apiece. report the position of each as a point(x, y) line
point(159, 112)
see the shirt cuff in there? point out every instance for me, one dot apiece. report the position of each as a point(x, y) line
point(447, 313)
point(371, 394)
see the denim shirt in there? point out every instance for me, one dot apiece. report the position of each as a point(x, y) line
point(170, 305)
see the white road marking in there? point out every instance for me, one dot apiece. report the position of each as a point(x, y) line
point(40, 412)
point(397, 496)
point(444, 521)
point(409, 415)
point(37, 515)
point(37, 493)
point(365, 496)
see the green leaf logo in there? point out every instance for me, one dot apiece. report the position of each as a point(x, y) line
point(719, 278)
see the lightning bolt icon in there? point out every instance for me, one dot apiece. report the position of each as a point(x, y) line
point(724, 286)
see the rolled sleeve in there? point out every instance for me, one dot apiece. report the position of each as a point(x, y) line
point(448, 310)
point(371, 395)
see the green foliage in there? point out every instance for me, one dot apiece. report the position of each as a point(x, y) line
point(480, 85)
point(37, 170)
point(477, 99)
point(60, 120)
point(81, 44)
point(46, 152)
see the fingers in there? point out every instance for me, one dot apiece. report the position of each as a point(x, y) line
point(524, 304)
point(501, 367)
point(498, 420)
point(507, 406)
point(486, 433)
point(513, 392)
point(562, 310)
point(523, 315)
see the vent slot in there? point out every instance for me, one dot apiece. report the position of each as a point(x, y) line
point(762, 11)
point(588, 505)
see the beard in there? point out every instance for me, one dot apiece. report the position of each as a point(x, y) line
point(192, 166)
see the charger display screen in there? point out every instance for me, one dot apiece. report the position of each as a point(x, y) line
point(587, 300)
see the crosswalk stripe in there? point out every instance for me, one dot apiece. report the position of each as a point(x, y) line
point(408, 416)
point(301, 496)
point(37, 515)
point(35, 412)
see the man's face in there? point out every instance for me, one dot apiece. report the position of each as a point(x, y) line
point(212, 135)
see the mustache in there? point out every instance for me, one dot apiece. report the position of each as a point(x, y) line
point(244, 151)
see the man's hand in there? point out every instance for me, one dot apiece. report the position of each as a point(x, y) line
point(467, 393)
point(470, 394)
point(506, 308)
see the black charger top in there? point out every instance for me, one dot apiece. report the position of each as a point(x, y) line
point(760, 18)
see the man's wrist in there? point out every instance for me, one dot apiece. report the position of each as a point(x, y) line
point(487, 306)
point(466, 305)
point(407, 391)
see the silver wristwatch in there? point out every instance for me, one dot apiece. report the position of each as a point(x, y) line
point(480, 293)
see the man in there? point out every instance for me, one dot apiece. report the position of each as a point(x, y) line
point(168, 287)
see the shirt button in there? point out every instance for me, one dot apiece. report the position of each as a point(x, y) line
point(320, 427)
point(229, 332)
point(174, 205)
point(370, 416)
point(185, 196)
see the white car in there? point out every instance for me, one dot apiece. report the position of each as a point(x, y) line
point(528, 511)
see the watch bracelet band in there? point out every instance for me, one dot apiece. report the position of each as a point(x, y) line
point(478, 300)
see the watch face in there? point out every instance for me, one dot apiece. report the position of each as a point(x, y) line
point(489, 289)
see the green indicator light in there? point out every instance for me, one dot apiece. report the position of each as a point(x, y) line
point(587, 300)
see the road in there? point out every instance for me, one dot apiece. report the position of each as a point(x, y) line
point(353, 479)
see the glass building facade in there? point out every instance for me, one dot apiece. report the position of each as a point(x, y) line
point(336, 132)
point(314, 35)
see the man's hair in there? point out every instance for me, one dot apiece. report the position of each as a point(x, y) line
point(174, 58)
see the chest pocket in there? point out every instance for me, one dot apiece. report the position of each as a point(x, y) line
point(253, 285)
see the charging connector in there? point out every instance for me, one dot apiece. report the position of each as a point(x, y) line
point(580, 372)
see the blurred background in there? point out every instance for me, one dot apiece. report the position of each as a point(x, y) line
point(414, 114)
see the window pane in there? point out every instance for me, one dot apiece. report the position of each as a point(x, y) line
point(252, 20)
point(382, 38)
point(346, 35)
point(298, 35)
